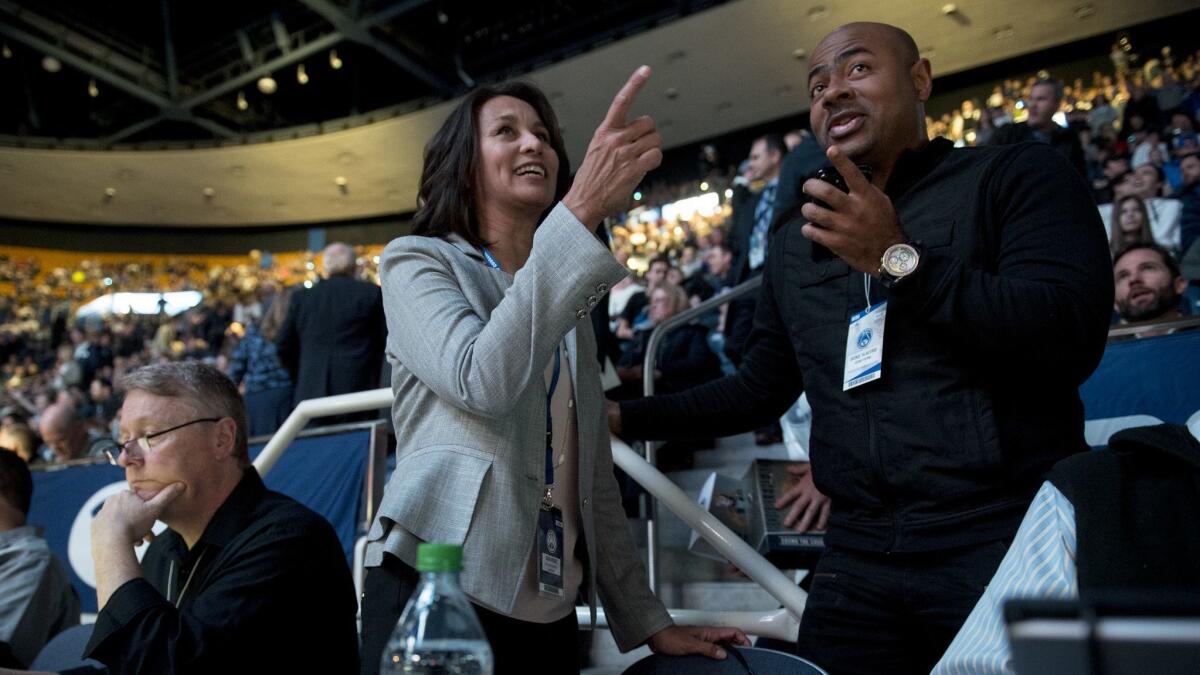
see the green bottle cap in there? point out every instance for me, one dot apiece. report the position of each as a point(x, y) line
point(439, 558)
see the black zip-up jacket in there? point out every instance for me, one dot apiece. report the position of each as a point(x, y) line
point(985, 346)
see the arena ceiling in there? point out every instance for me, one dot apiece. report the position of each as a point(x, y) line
point(144, 122)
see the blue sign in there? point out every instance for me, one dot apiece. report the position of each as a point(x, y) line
point(325, 473)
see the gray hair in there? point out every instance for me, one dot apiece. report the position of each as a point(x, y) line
point(338, 258)
point(205, 387)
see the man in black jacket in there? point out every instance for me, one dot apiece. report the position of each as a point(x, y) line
point(332, 339)
point(1044, 99)
point(995, 272)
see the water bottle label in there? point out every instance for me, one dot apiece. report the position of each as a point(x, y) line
point(550, 553)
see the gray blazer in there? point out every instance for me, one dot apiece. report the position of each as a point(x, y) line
point(468, 345)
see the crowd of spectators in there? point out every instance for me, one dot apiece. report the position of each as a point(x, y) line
point(60, 368)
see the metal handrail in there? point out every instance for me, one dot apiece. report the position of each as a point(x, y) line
point(656, 337)
point(779, 623)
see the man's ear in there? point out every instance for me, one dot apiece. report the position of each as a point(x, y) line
point(1181, 284)
point(226, 437)
point(922, 78)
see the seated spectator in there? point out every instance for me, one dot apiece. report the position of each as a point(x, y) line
point(105, 402)
point(1189, 219)
point(635, 314)
point(245, 579)
point(1086, 532)
point(1165, 214)
point(19, 438)
point(1149, 286)
point(684, 358)
point(1133, 225)
point(255, 364)
point(65, 436)
point(37, 600)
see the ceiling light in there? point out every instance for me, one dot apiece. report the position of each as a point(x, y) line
point(799, 54)
point(442, 18)
point(267, 84)
point(1003, 32)
point(817, 12)
point(637, 196)
point(5, 51)
point(672, 92)
point(209, 193)
point(301, 75)
point(340, 181)
point(704, 186)
point(93, 90)
point(334, 61)
point(1085, 10)
point(241, 101)
point(51, 64)
point(949, 8)
point(109, 193)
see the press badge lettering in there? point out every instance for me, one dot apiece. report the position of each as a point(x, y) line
point(864, 347)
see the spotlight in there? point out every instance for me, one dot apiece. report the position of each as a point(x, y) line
point(267, 84)
point(51, 64)
point(334, 61)
point(637, 196)
point(241, 101)
point(93, 90)
point(301, 75)
point(5, 51)
point(704, 186)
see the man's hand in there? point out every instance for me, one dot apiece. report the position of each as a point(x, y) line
point(125, 519)
point(808, 504)
point(613, 409)
point(859, 225)
point(681, 640)
point(618, 157)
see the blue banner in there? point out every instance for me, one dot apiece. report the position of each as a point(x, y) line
point(1141, 382)
point(325, 473)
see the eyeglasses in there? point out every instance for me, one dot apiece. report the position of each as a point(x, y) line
point(143, 441)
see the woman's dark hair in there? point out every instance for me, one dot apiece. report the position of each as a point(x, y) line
point(1119, 241)
point(446, 198)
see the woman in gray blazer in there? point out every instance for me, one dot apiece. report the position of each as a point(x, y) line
point(502, 441)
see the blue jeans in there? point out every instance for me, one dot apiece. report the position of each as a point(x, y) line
point(892, 613)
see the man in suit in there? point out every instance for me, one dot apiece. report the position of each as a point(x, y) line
point(332, 339)
point(752, 218)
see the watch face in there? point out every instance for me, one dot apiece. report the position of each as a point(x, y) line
point(900, 260)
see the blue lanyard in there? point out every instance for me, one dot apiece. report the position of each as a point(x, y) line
point(491, 260)
point(550, 419)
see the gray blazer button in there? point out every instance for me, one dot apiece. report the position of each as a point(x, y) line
point(592, 300)
point(585, 501)
point(602, 288)
point(580, 314)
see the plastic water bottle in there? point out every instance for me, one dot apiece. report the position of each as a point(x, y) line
point(438, 631)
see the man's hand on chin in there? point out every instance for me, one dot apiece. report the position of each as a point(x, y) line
point(126, 517)
point(124, 520)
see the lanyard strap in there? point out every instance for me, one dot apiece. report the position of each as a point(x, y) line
point(491, 260)
point(867, 288)
point(550, 418)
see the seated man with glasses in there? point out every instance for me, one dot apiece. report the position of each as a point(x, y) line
point(245, 579)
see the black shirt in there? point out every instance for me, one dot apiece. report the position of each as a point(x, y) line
point(266, 589)
point(985, 347)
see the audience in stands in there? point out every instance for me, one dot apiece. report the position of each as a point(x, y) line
point(331, 339)
point(635, 315)
point(1149, 286)
point(244, 579)
point(1165, 214)
point(37, 600)
point(1189, 194)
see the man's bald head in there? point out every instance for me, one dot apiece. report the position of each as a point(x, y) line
point(338, 258)
point(896, 39)
point(63, 431)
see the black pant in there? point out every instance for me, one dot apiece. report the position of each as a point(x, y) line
point(897, 613)
point(517, 646)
